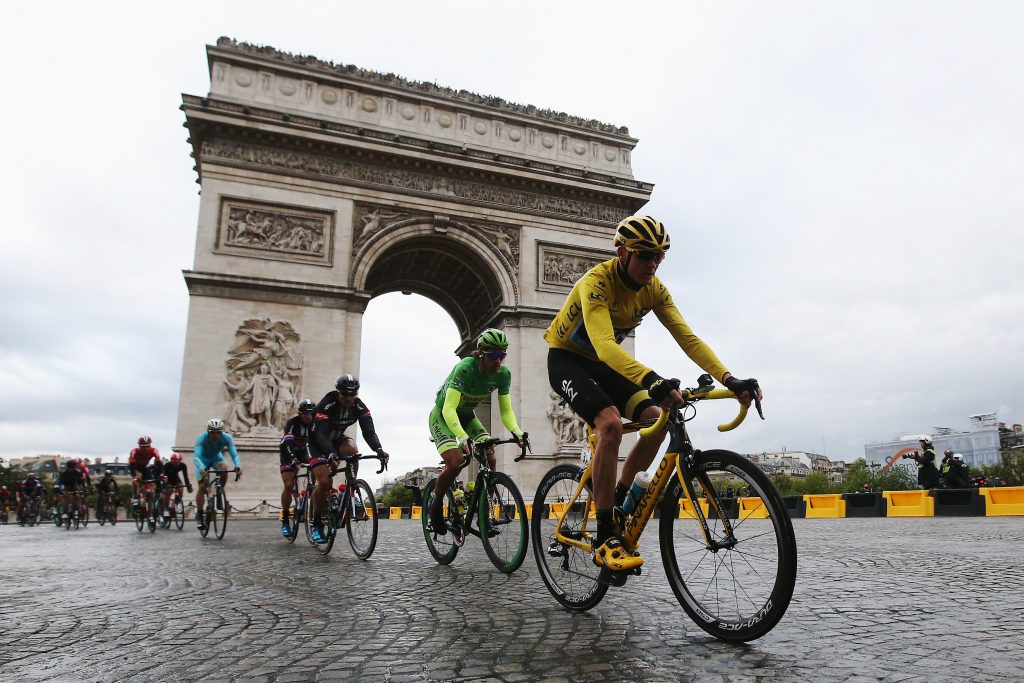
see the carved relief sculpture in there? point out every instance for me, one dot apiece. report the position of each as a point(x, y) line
point(275, 232)
point(569, 429)
point(371, 221)
point(566, 269)
point(264, 378)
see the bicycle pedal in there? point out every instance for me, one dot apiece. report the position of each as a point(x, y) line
point(618, 579)
point(555, 549)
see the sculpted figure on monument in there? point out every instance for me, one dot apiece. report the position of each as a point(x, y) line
point(275, 231)
point(568, 428)
point(264, 371)
point(375, 221)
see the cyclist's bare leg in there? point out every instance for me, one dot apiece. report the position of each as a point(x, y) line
point(644, 451)
point(453, 458)
point(608, 427)
point(322, 474)
point(200, 495)
point(288, 478)
point(347, 447)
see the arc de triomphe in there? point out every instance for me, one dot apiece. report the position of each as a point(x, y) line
point(325, 185)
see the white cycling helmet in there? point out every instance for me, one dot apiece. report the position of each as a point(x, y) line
point(215, 425)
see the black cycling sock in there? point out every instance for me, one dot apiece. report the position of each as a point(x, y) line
point(620, 494)
point(605, 527)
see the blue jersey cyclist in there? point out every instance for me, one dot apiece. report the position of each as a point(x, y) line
point(453, 422)
point(209, 452)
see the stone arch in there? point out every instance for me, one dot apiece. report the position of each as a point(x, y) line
point(449, 262)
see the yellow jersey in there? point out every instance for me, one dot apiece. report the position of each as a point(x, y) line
point(601, 311)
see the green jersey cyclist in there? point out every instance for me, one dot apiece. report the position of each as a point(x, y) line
point(602, 383)
point(453, 422)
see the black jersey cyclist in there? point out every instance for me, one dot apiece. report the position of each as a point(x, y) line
point(602, 383)
point(106, 484)
point(176, 476)
point(453, 422)
point(73, 482)
point(294, 449)
point(30, 488)
point(335, 413)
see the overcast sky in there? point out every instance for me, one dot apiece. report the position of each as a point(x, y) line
point(842, 183)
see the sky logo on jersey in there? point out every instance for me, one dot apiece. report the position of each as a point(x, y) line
point(568, 390)
point(595, 296)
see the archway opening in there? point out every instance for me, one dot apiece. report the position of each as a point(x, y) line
point(408, 345)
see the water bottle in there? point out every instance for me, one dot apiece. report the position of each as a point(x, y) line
point(640, 483)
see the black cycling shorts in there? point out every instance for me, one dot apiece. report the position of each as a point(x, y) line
point(590, 386)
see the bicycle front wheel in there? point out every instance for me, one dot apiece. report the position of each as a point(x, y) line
point(503, 522)
point(112, 514)
point(738, 586)
point(443, 547)
point(179, 513)
point(85, 516)
point(362, 520)
point(151, 512)
point(568, 572)
point(220, 513)
point(139, 515)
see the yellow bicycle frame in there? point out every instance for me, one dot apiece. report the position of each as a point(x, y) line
point(637, 521)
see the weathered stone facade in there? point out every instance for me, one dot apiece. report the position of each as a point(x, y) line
point(323, 186)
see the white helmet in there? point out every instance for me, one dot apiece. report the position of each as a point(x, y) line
point(215, 425)
point(958, 456)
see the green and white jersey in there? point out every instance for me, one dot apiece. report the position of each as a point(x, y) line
point(469, 379)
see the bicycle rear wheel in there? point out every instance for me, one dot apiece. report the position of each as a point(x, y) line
point(569, 572)
point(220, 513)
point(738, 589)
point(294, 510)
point(503, 522)
point(208, 514)
point(444, 547)
point(362, 520)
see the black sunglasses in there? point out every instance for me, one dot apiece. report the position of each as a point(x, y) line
point(496, 355)
point(650, 256)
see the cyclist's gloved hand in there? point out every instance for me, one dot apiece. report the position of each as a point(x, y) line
point(382, 454)
point(661, 388)
point(464, 444)
point(738, 386)
point(189, 487)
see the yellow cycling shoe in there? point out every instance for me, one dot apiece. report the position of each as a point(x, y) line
point(613, 555)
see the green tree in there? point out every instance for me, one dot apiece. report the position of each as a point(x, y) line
point(858, 475)
point(893, 479)
point(816, 482)
point(398, 497)
point(784, 484)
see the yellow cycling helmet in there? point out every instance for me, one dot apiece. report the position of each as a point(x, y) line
point(641, 233)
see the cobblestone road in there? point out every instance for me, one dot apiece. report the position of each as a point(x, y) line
point(889, 599)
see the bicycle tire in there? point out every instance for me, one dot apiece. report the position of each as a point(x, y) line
point(568, 572)
point(84, 516)
point(137, 514)
point(112, 511)
point(362, 529)
point(504, 524)
point(739, 592)
point(308, 517)
point(443, 547)
point(220, 513)
point(179, 513)
point(101, 514)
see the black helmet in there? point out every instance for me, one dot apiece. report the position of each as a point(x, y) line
point(347, 384)
point(306, 406)
point(949, 451)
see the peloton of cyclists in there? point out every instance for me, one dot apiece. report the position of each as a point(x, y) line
point(335, 413)
point(602, 383)
point(294, 448)
point(209, 452)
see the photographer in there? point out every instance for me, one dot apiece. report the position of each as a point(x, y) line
point(927, 472)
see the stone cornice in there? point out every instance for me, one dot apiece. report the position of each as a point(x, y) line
point(291, 158)
point(229, 47)
point(212, 109)
point(274, 291)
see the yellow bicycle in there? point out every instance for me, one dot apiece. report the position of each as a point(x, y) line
point(730, 562)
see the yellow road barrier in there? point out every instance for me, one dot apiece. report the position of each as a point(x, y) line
point(824, 505)
point(909, 504)
point(416, 512)
point(686, 510)
point(752, 508)
point(1004, 500)
point(395, 513)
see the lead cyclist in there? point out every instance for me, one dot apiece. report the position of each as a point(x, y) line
point(602, 383)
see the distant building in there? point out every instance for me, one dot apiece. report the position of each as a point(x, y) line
point(979, 446)
point(417, 477)
point(40, 464)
